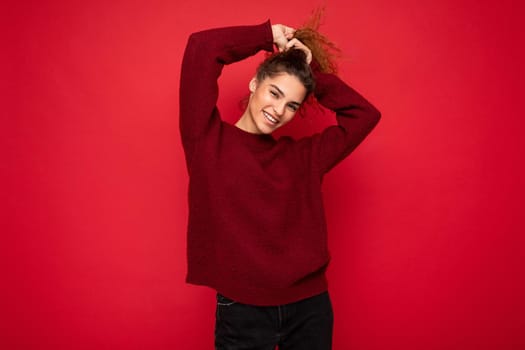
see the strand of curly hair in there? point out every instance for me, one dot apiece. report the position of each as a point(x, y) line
point(324, 51)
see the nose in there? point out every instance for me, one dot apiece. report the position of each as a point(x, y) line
point(279, 109)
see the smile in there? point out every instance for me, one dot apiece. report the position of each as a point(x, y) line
point(270, 118)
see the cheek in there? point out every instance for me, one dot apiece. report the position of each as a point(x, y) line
point(257, 100)
point(264, 99)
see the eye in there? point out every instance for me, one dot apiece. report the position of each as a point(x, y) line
point(293, 107)
point(273, 93)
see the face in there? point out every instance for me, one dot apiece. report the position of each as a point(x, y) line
point(273, 103)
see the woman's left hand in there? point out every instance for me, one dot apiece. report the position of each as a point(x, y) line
point(296, 44)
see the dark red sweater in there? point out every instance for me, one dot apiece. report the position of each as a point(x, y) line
point(256, 230)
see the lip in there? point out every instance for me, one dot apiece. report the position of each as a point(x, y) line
point(270, 118)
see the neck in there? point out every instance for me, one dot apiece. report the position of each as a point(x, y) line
point(244, 124)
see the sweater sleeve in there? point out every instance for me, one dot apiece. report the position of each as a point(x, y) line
point(206, 54)
point(356, 117)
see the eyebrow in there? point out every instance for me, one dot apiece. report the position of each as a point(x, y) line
point(283, 95)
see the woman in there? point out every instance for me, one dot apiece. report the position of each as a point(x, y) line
point(256, 229)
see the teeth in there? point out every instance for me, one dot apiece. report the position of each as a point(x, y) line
point(270, 118)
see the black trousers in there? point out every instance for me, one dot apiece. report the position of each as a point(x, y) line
point(303, 325)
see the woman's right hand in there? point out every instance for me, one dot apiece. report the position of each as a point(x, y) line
point(281, 35)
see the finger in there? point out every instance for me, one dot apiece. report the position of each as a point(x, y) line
point(289, 30)
point(294, 43)
point(298, 45)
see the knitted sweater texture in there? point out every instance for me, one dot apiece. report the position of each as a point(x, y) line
point(256, 227)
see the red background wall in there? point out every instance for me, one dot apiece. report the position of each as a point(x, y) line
point(426, 216)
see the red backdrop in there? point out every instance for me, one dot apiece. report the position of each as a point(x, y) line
point(425, 218)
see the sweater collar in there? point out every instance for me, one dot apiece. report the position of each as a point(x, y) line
point(255, 139)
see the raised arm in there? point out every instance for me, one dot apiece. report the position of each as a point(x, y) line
point(205, 55)
point(356, 117)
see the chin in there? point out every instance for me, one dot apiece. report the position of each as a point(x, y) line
point(266, 129)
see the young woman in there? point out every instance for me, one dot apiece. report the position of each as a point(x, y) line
point(256, 228)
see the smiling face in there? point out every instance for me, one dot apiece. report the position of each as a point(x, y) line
point(273, 103)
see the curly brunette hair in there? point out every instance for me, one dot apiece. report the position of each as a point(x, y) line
point(293, 61)
point(323, 50)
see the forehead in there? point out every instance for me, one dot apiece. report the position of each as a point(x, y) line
point(290, 85)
